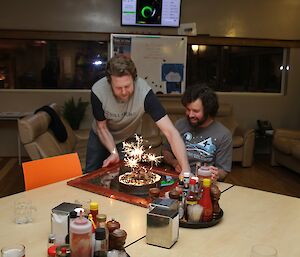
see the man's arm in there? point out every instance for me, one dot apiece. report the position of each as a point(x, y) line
point(175, 141)
point(107, 140)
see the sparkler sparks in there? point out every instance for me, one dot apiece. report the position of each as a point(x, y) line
point(135, 153)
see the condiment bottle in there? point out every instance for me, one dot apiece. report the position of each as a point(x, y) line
point(94, 210)
point(100, 243)
point(112, 225)
point(204, 172)
point(190, 201)
point(117, 239)
point(186, 180)
point(174, 194)
point(63, 251)
point(51, 246)
point(101, 223)
point(215, 194)
point(205, 201)
point(181, 207)
point(81, 237)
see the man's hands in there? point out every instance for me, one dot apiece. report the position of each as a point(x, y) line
point(113, 158)
point(214, 173)
point(176, 166)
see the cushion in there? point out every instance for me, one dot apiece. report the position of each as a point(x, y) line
point(31, 127)
point(237, 141)
point(284, 145)
point(296, 151)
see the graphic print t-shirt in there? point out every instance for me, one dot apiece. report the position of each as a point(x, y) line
point(211, 145)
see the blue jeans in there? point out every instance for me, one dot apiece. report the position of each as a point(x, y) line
point(96, 153)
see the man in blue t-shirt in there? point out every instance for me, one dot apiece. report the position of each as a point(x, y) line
point(118, 102)
point(207, 141)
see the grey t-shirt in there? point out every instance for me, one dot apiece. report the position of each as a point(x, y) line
point(211, 145)
point(124, 119)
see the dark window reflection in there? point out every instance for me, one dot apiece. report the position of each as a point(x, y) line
point(36, 64)
point(236, 68)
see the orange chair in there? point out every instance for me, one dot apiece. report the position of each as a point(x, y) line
point(50, 170)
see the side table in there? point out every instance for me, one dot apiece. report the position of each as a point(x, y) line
point(263, 141)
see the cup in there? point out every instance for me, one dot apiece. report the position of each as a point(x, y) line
point(261, 250)
point(23, 211)
point(17, 250)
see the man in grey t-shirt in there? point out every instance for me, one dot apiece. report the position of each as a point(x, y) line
point(119, 101)
point(207, 141)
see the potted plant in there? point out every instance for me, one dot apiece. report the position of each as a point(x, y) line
point(74, 112)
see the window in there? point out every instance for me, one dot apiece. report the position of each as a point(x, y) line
point(51, 64)
point(238, 68)
point(76, 62)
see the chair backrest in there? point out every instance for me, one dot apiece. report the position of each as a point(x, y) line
point(39, 141)
point(50, 170)
point(226, 117)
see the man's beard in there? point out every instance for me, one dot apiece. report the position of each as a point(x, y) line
point(199, 122)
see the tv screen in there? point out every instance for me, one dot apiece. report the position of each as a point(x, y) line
point(152, 13)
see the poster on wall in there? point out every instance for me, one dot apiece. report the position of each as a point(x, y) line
point(160, 60)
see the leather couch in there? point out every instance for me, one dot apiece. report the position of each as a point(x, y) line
point(243, 140)
point(286, 149)
point(40, 142)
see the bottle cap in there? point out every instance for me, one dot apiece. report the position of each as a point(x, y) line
point(195, 178)
point(93, 206)
point(52, 250)
point(186, 174)
point(78, 210)
point(192, 181)
point(101, 217)
point(206, 182)
point(204, 171)
point(100, 234)
point(51, 238)
point(73, 215)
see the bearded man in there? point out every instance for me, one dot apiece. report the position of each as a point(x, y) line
point(207, 141)
point(119, 102)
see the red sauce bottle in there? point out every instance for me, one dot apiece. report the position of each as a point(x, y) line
point(206, 202)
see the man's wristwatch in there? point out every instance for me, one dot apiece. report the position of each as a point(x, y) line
point(114, 151)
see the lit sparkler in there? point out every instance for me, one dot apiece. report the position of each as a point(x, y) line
point(135, 153)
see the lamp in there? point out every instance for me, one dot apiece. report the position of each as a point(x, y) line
point(195, 48)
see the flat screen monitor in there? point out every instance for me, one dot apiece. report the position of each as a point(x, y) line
point(151, 13)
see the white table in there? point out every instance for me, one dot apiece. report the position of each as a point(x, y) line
point(34, 235)
point(250, 217)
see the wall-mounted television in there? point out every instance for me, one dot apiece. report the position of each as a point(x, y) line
point(152, 13)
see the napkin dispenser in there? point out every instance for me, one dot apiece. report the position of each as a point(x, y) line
point(162, 227)
point(60, 221)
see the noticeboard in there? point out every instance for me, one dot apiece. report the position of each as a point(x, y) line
point(160, 60)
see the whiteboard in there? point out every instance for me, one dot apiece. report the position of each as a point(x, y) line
point(160, 60)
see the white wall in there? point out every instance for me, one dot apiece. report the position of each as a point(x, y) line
point(257, 18)
point(275, 19)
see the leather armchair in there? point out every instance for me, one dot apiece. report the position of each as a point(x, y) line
point(286, 149)
point(40, 142)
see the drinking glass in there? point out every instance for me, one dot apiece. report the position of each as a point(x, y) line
point(16, 250)
point(260, 250)
point(23, 211)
